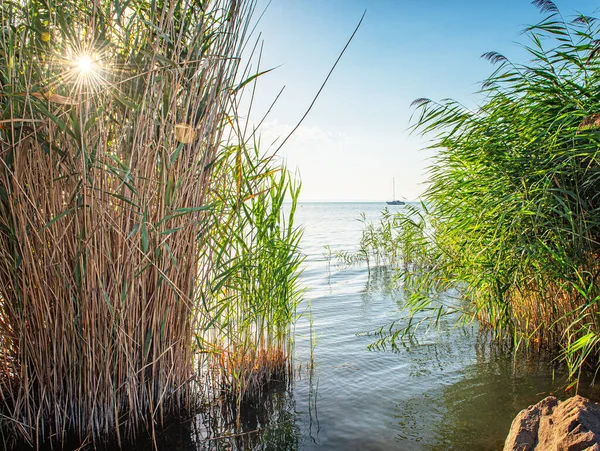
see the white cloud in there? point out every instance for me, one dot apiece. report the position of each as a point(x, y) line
point(273, 133)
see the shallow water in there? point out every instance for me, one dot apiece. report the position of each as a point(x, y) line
point(449, 389)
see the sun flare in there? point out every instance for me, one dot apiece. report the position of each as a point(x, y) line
point(84, 64)
point(84, 71)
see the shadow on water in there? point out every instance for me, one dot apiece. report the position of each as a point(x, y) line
point(475, 410)
point(382, 280)
point(267, 423)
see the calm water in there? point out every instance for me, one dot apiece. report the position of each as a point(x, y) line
point(447, 390)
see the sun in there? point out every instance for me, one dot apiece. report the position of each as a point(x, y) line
point(85, 71)
point(84, 64)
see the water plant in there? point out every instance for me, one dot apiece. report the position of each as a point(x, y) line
point(114, 148)
point(398, 239)
point(513, 197)
point(251, 299)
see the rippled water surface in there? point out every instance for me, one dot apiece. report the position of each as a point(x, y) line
point(449, 389)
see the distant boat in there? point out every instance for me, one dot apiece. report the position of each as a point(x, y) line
point(394, 202)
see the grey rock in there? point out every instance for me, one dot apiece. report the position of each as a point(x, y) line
point(552, 425)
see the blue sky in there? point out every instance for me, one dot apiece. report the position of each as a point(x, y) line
point(356, 138)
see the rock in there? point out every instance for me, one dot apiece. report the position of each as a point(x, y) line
point(552, 425)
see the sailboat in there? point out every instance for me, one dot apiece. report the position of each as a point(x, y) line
point(394, 202)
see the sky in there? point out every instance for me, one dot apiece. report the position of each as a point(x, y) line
point(356, 139)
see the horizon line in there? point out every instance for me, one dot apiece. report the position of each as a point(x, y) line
point(351, 201)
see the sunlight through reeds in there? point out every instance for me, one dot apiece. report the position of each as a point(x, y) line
point(113, 160)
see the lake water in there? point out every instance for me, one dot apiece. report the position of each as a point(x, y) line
point(448, 389)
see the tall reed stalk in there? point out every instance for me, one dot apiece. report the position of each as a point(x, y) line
point(253, 296)
point(111, 150)
point(513, 196)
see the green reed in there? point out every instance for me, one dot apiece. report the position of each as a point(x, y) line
point(253, 294)
point(396, 239)
point(513, 198)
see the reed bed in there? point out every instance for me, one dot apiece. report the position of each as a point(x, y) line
point(513, 198)
point(112, 148)
point(253, 297)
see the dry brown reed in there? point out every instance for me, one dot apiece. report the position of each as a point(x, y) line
point(103, 204)
point(545, 313)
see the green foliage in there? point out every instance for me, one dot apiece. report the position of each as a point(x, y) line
point(513, 196)
point(253, 295)
point(398, 239)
